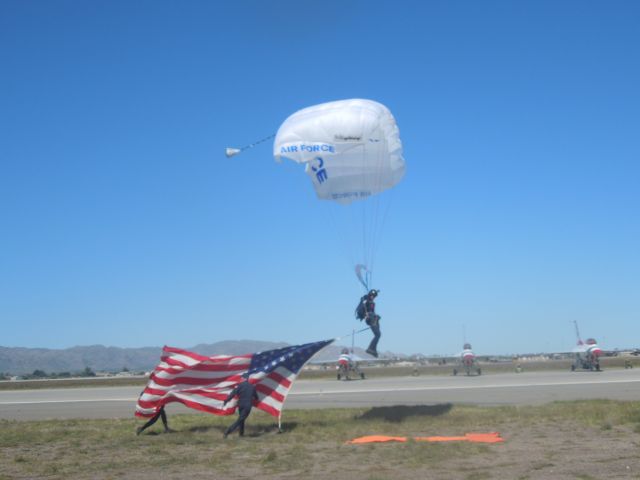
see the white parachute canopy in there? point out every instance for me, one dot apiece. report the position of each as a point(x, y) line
point(352, 153)
point(351, 148)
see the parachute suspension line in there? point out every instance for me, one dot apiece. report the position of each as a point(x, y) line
point(376, 208)
point(363, 211)
point(385, 213)
point(383, 202)
point(230, 152)
point(347, 246)
point(373, 230)
point(368, 212)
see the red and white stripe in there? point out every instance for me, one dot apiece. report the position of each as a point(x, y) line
point(203, 383)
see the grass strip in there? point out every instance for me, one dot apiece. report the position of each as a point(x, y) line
point(312, 444)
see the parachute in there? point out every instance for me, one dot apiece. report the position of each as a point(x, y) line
point(351, 148)
point(352, 153)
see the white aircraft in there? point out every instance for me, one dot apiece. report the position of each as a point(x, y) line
point(467, 361)
point(586, 354)
point(348, 365)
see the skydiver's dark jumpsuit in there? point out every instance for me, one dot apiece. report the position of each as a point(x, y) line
point(373, 321)
point(153, 420)
point(246, 393)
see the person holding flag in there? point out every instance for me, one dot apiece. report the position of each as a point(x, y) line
point(246, 393)
point(211, 383)
point(161, 414)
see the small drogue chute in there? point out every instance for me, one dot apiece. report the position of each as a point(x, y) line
point(352, 153)
point(232, 152)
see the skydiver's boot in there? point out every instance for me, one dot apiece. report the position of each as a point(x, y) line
point(372, 352)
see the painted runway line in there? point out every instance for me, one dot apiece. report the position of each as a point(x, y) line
point(334, 391)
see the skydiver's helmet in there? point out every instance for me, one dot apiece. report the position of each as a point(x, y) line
point(345, 351)
point(373, 293)
point(467, 346)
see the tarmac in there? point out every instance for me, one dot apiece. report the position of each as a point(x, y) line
point(528, 388)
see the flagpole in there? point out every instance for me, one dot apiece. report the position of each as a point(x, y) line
point(326, 342)
point(352, 334)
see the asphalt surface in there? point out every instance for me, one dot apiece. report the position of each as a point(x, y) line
point(529, 388)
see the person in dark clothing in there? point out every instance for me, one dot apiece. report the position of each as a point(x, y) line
point(246, 393)
point(373, 320)
point(161, 414)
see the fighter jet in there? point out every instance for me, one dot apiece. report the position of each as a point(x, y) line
point(348, 366)
point(586, 354)
point(347, 363)
point(467, 362)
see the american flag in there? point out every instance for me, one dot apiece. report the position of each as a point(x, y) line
point(203, 383)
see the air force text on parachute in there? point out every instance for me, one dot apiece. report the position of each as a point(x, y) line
point(322, 147)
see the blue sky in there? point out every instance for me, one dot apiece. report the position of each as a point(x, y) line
point(124, 224)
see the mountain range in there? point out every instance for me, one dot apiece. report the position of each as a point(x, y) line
point(99, 358)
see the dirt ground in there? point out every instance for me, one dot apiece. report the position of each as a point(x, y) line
point(548, 451)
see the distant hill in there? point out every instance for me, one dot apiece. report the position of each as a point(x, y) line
point(21, 361)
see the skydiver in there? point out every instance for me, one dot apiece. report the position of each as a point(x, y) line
point(373, 320)
point(161, 414)
point(246, 393)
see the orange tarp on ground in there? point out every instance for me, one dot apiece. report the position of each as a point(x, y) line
point(491, 437)
point(377, 439)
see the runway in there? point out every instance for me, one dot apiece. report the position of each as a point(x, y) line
point(498, 389)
